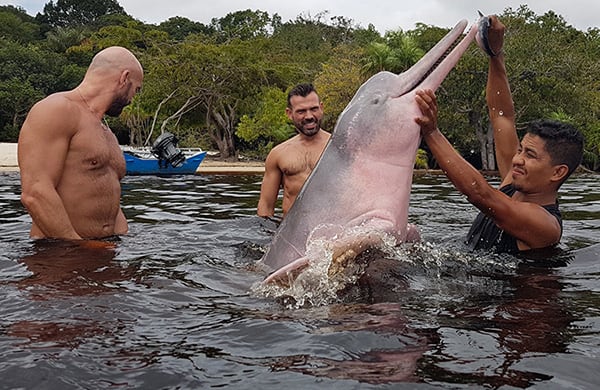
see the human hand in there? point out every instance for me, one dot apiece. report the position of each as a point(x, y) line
point(428, 105)
point(496, 34)
point(491, 35)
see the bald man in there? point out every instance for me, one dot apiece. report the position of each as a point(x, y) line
point(70, 161)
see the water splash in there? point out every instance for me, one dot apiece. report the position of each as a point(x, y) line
point(415, 267)
point(318, 285)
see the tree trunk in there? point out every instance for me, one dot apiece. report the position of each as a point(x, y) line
point(491, 155)
point(221, 119)
point(486, 143)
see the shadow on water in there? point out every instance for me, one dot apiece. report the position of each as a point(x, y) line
point(172, 305)
point(58, 271)
point(61, 269)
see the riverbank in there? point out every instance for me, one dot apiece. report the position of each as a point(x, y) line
point(210, 165)
point(215, 166)
point(8, 157)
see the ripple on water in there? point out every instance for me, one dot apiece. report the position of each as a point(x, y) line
point(173, 306)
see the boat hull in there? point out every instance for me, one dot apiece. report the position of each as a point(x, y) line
point(152, 166)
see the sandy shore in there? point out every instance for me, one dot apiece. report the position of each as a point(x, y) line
point(214, 166)
point(8, 157)
point(210, 165)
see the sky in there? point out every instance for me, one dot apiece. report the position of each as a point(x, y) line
point(385, 15)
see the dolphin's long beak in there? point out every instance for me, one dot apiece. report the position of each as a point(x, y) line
point(429, 72)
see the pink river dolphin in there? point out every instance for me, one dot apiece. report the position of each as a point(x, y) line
point(358, 194)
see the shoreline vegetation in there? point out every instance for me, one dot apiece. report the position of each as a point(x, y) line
point(238, 107)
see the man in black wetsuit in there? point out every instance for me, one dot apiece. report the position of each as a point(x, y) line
point(523, 213)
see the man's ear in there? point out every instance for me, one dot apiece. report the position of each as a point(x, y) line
point(288, 112)
point(560, 172)
point(124, 77)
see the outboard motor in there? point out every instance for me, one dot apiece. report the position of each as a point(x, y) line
point(165, 149)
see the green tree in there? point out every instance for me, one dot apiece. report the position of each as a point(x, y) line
point(60, 39)
point(397, 53)
point(338, 81)
point(210, 84)
point(27, 74)
point(427, 36)
point(268, 125)
point(406, 51)
point(16, 97)
point(16, 25)
point(179, 28)
point(378, 57)
point(243, 25)
point(72, 13)
point(126, 36)
point(308, 43)
point(364, 36)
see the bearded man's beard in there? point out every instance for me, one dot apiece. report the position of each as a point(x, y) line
point(117, 106)
point(301, 127)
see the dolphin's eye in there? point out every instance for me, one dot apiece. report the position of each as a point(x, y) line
point(375, 100)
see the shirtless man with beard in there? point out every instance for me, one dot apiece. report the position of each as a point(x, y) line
point(289, 164)
point(70, 161)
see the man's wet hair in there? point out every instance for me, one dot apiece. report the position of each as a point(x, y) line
point(302, 89)
point(563, 142)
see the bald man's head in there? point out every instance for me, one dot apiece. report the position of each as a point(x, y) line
point(115, 58)
point(114, 72)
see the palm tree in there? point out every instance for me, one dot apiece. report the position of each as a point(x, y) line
point(398, 53)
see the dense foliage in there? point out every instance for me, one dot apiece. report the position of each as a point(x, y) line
point(223, 85)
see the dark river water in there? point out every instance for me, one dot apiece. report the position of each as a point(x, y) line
point(175, 304)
